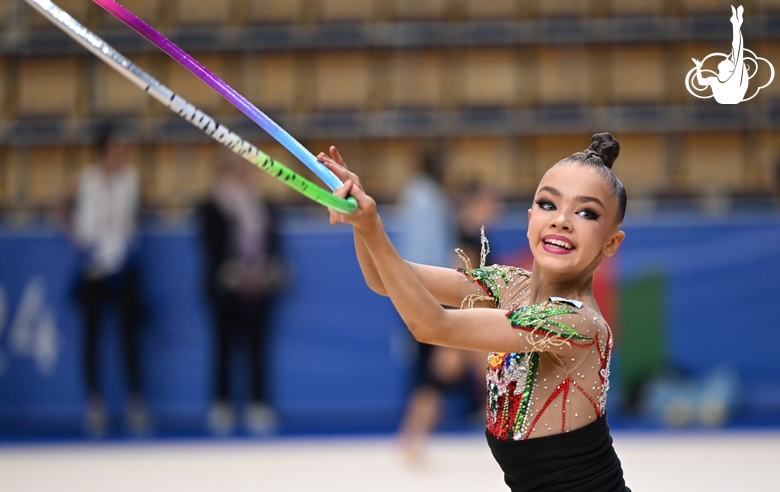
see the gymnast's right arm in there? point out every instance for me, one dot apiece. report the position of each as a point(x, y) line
point(445, 284)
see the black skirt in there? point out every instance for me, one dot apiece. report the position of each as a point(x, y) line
point(582, 460)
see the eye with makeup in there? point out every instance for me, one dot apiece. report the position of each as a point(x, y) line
point(589, 214)
point(545, 204)
point(586, 213)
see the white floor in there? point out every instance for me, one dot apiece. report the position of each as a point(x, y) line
point(652, 462)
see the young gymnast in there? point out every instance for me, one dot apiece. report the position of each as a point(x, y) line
point(548, 371)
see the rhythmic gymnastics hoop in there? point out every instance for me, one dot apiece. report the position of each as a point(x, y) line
point(189, 112)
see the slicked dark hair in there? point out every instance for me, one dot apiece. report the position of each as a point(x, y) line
point(601, 155)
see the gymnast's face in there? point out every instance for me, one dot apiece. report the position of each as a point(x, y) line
point(572, 223)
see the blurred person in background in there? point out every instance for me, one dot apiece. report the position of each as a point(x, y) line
point(428, 235)
point(103, 210)
point(444, 369)
point(243, 272)
point(480, 209)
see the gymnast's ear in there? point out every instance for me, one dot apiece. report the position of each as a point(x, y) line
point(613, 243)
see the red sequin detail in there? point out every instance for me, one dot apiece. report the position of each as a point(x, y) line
point(592, 401)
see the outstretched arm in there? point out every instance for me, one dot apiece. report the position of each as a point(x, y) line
point(475, 329)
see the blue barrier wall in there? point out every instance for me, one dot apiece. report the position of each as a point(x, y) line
point(340, 357)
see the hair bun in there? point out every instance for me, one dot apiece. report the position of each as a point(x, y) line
point(605, 147)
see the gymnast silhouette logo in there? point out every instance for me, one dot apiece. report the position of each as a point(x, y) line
point(735, 70)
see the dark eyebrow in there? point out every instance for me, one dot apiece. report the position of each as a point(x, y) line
point(582, 199)
point(550, 190)
point(585, 199)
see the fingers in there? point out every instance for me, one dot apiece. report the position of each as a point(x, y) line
point(365, 215)
point(357, 191)
point(336, 164)
point(343, 190)
point(337, 156)
point(337, 169)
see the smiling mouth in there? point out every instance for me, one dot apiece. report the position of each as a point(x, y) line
point(557, 243)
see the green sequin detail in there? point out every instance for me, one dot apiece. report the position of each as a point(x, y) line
point(539, 317)
point(490, 276)
point(522, 411)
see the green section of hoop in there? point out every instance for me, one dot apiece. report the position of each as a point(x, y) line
point(300, 184)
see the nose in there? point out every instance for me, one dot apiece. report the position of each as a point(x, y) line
point(561, 222)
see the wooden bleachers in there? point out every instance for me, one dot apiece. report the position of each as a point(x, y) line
point(706, 7)
point(203, 12)
point(7, 13)
point(712, 162)
point(771, 51)
point(179, 175)
point(4, 87)
point(765, 172)
point(48, 86)
point(636, 74)
point(489, 161)
point(642, 163)
point(766, 6)
point(270, 80)
point(37, 177)
point(490, 78)
point(416, 10)
point(546, 150)
point(113, 94)
point(491, 9)
point(275, 11)
point(342, 80)
point(395, 162)
point(563, 75)
point(346, 10)
point(637, 7)
point(563, 8)
point(416, 79)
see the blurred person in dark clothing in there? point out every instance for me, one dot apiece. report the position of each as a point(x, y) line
point(102, 221)
point(443, 370)
point(243, 271)
point(428, 236)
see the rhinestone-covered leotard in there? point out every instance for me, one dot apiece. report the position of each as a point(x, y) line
point(560, 382)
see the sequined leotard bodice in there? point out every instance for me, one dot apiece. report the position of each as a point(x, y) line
point(560, 382)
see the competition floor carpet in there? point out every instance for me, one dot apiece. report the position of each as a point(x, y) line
point(725, 461)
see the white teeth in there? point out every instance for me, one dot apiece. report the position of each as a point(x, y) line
point(557, 242)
